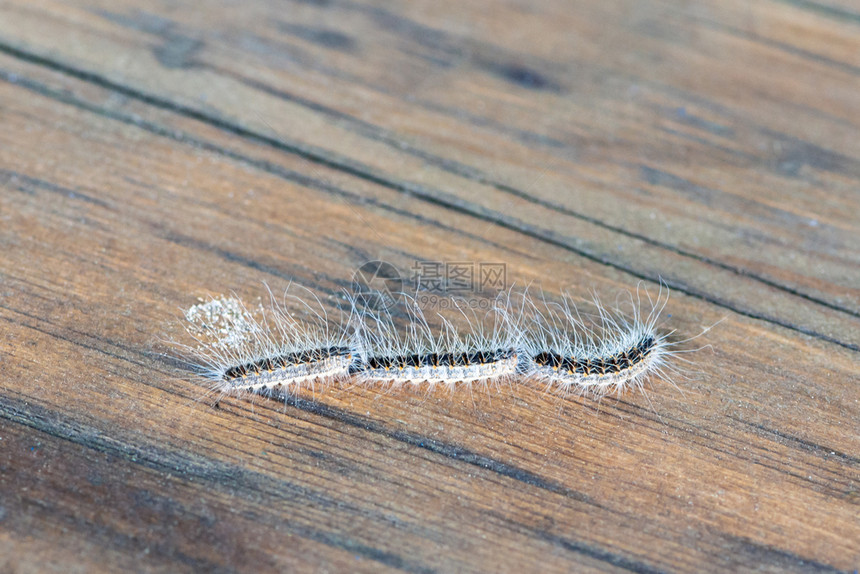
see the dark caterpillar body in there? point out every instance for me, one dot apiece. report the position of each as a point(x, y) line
point(618, 363)
point(283, 362)
point(439, 368)
point(433, 360)
point(290, 369)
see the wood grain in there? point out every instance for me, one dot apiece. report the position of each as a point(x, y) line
point(153, 153)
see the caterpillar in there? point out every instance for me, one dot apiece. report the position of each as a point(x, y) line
point(418, 355)
point(268, 351)
point(604, 353)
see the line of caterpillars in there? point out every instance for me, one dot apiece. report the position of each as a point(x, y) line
point(563, 365)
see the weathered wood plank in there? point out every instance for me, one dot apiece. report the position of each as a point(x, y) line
point(779, 160)
point(125, 195)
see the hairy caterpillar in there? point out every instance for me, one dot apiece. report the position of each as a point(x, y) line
point(416, 354)
point(268, 351)
point(604, 353)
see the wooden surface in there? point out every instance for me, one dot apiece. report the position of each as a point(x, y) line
point(152, 153)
